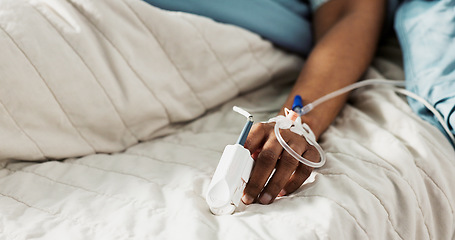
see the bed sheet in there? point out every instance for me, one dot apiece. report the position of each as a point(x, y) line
point(80, 77)
point(388, 175)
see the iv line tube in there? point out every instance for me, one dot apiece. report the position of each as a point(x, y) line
point(308, 107)
point(431, 108)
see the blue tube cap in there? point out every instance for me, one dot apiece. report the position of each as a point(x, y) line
point(297, 105)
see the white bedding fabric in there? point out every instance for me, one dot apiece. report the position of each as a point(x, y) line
point(81, 77)
point(389, 175)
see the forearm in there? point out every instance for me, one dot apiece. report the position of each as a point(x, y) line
point(346, 33)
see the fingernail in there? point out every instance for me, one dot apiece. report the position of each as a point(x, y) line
point(247, 199)
point(265, 199)
point(282, 193)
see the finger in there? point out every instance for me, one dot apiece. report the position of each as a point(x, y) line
point(256, 137)
point(312, 154)
point(284, 169)
point(256, 154)
point(302, 172)
point(297, 179)
point(262, 169)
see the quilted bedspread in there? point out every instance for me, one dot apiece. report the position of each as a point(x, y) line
point(122, 112)
point(82, 77)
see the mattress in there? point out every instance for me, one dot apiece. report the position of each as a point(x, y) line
point(388, 174)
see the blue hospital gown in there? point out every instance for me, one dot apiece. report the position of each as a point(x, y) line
point(286, 23)
point(426, 31)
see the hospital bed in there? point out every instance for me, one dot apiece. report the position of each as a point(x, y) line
point(114, 115)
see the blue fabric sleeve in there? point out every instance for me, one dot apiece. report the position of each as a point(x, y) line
point(315, 4)
point(286, 23)
point(426, 31)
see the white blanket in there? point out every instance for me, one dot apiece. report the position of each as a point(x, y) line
point(82, 77)
point(389, 175)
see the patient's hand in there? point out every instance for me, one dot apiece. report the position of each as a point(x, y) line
point(268, 154)
point(326, 69)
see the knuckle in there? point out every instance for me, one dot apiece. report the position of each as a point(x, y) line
point(297, 142)
point(299, 147)
point(301, 140)
point(313, 154)
point(267, 127)
point(268, 157)
point(273, 138)
point(248, 142)
point(289, 163)
point(286, 133)
point(260, 126)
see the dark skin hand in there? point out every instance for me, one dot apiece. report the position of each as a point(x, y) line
point(346, 34)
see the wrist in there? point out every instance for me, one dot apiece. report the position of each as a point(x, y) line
point(315, 119)
point(314, 123)
point(312, 120)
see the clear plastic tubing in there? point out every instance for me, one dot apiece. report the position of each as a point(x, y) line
point(307, 108)
point(296, 155)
